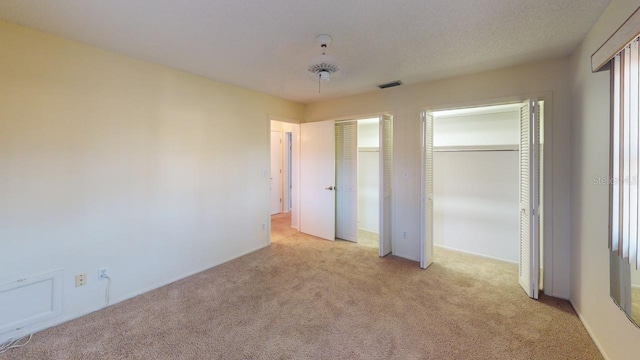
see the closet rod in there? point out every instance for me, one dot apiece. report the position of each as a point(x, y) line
point(473, 150)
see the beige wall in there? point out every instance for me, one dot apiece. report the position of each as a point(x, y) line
point(513, 84)
point(110, 161)
point(612, 331)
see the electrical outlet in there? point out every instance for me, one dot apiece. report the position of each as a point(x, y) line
point(81, 280)
point(103, 273)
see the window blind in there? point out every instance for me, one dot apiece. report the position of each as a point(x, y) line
point(625, 144)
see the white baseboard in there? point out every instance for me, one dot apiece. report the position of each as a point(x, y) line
point(32, 329)
point(586, 326)
point(477, 254)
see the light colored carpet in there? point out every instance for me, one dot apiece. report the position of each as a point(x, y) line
point(306, 298)
point(368, 238)
point(281, 226)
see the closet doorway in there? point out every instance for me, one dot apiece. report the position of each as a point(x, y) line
point(482, 171)
point(329, 196)
point(358, 181)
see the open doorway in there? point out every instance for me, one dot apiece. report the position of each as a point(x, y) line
point(369, 182)
point(482, 178)
point(284, 178)
point(475, 176)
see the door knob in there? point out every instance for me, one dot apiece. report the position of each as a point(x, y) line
point(329, 188)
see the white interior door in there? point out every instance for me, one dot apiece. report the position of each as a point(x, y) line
point(529, 268)
point(426, 237)
point(386, 168)
point(317, 179)
point(346, 180)
point(276, 172)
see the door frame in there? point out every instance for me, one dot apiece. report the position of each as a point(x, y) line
point(379, 115)
point(287, 176)
point(280, 176)
point(546, 244)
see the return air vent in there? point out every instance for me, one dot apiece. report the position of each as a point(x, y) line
point(391, 84)
point(29, 301)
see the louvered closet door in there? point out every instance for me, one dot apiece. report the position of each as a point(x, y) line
point(426, 238)
point(386, 167)
point(347, 180)
point(528, 275)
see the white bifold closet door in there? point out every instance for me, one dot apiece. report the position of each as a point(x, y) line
point(426, 236)
point(529, 268)
point(386, 168)
point(317, 179)
point(347, 180)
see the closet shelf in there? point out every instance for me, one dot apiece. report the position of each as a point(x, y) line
point(469, 148)
point(368, 149)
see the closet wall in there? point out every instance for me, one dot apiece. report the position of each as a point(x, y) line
point(476, 187)
point(368, 175)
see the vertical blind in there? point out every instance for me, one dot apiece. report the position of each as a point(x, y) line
point(625, 141)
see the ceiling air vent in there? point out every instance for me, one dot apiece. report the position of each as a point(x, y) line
point(391, 84)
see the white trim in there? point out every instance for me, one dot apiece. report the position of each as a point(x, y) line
point(590, 332)
point(477, 254)
point(358, 117)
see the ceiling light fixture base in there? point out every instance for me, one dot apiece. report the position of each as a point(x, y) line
point(324, 40)
point(324, 66)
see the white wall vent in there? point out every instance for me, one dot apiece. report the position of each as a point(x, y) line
point(30, 300)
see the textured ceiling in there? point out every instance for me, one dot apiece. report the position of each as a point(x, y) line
point(265, 45)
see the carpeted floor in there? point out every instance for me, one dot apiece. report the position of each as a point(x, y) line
point(306, 298)
point(368, 238)
point(635, 304)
